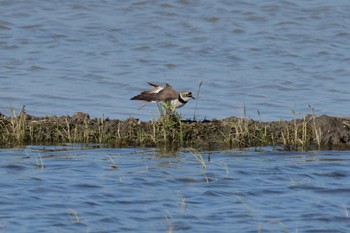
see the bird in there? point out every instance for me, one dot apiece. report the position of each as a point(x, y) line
point(169, 97)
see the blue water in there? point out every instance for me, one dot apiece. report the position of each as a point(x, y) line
point(271, 57)
point(71, 189)
point(267, 59)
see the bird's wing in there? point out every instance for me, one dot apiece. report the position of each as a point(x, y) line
point(156, 88)
point(149, 97)
point(168, 93)
point(154, 85)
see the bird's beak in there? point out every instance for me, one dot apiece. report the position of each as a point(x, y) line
point(193, 97)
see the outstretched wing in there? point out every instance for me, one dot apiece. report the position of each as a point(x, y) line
point(158, 93)
point(145, 96)
point(168, 93)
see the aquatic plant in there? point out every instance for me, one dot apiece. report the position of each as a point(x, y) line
point(182, 201)
point(67, 131)
point(172, 132)
point(141, 136)
point(316, 130)
point(39, 162)
point(86, 131)
point(242, 133)
point(245, 204)
point(113, 165)
point(73, 216)
point(296, 134)
point(198, 157)
point(18, 125)
point(168, 220)
point(169, 125)
point(197, 98)
point(225, 166)
point(101, 130)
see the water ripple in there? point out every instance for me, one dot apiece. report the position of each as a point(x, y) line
point(76, 190)
point(241, 51)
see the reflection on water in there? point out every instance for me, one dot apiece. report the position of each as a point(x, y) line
point(271, 56)
point(70, 189)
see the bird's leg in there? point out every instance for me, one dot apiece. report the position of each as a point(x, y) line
point(143, 105)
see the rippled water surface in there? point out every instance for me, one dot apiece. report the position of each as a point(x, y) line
point(60, 57)
point(70, 189)
point(268, 58)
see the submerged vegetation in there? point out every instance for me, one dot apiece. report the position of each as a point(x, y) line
point(171, 131)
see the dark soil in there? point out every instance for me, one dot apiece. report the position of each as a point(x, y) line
point(310, 132)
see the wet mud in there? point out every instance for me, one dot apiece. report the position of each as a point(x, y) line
point(309, 132)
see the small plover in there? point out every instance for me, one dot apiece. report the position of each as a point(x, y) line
point(166, 95)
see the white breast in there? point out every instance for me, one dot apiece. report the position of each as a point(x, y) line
point(177, 103)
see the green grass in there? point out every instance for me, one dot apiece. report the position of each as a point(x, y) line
point(169, 125)
point(39, 162)
point(198, 157)
point(18, 125)
point(113, 165)
point(197, 99)
point(73, 216)
point(168, 130)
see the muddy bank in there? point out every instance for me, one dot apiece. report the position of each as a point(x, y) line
point(310, 132)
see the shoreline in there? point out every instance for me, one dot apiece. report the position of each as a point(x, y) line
point(307, 133)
